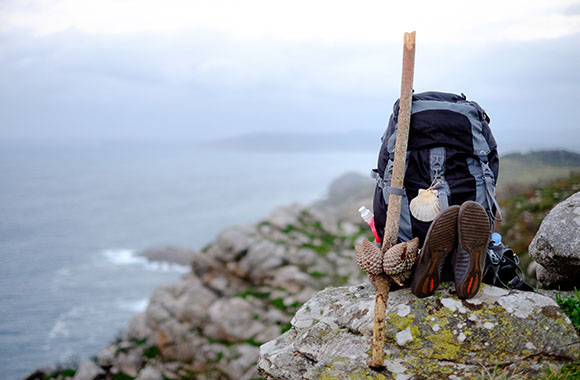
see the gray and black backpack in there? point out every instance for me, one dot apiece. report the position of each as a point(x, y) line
point(450, 149)
point(450, 144)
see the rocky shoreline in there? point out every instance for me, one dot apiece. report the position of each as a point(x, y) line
point(243, 291)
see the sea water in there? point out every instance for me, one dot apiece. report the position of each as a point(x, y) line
point(73, 216)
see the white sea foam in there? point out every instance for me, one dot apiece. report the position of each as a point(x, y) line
point(129, 257)
point(135, 306)
point(123, 257)
point(72, 324)
point(60, 327)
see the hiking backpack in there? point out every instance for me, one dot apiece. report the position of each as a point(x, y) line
point(450, 149)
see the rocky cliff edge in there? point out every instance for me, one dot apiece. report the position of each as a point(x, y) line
point(435, 337)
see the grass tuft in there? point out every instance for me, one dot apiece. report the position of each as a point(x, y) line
point(571, 306)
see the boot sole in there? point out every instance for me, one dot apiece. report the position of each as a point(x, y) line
point(440, 240)
point(473, 237)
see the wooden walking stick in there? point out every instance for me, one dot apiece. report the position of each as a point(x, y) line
point(382, 281)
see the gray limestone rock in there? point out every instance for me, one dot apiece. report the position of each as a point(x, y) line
point(39, 373)
point(233, 320)
point(169, 254)
point(552, 280)
point(88, 370)
point(106, 356)
point(262, 258)
point(129, 363)
point(285, 216)
point(556, 246)
point(137, 328)
point(349, 183)
point(175, 307)
point(291, 279)
point(434, 337)
point(243, 366)
point(232, 243)
point(345, 196)
point(149, 373)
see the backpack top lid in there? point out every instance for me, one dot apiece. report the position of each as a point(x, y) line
point(444, 119)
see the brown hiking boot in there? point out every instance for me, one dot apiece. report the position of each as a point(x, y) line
point(440, 240)
point(473, 238)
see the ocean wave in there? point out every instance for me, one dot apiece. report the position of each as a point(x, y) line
point(130, 257)
point(72, 325)
point(61, 328)
point(135, 306)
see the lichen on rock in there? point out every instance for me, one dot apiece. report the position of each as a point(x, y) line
point(433, 337)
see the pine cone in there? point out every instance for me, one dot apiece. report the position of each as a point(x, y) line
point(369, 257)
point(399, 259)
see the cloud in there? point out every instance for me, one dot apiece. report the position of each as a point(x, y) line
point(195, 84)
point(301, 20)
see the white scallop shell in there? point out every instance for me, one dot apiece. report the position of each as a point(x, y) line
point(425, 206)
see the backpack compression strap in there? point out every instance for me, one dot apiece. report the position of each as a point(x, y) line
point(437, 168)
point(384, 183)
point(490, 189)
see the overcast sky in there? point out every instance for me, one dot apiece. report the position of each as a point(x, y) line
point(209, 69)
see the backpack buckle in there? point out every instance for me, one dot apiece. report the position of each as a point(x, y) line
point(486, 169)
point(494, 258)
point(377, 177)
point(495, 251)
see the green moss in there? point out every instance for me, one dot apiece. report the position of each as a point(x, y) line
point(321, 250)
point(122, 376)
point(253, 342)
point(285, 328)
point(318, 274)
point(151, 352)
point(138, 342)
point(212, 373)
point(279, 304)
point(254, 293)
point(223, 342)
point(339, 280)
point(289, 228)
point(67, 372)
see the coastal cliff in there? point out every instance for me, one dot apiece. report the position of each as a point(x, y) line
point(252, 285)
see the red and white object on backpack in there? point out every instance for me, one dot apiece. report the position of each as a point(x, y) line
point(369, 219)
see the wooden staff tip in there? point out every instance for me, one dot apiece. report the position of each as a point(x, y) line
point(410, 40)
